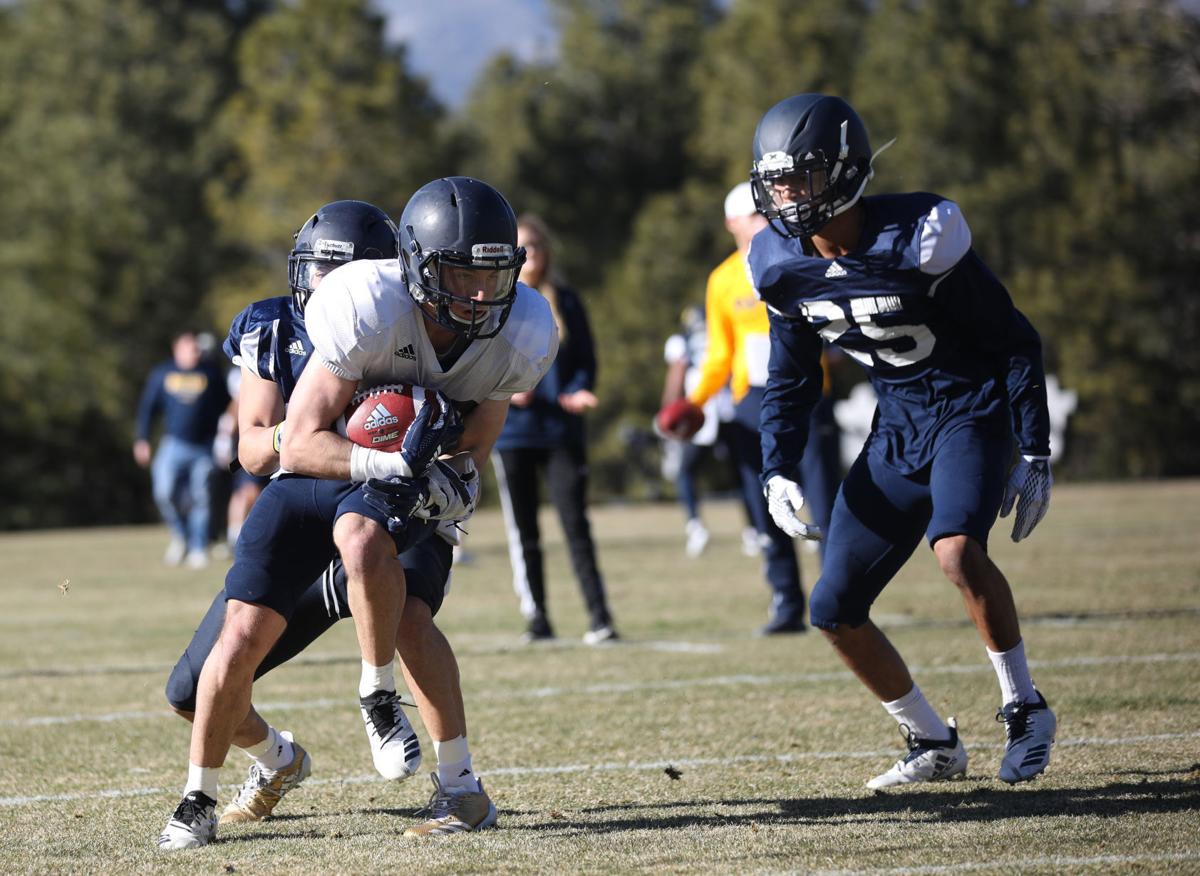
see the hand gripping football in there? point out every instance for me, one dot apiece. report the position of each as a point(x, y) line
point(380, 417)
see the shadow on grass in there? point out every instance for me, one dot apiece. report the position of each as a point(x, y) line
point(958, 803)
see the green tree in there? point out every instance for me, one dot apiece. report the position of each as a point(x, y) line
point(760, 53)
point(586, 142)
point(326, 110)
point(1068, 132)
point(105, 109)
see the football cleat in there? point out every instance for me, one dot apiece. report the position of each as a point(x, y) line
point(751, 543)
point(782, 626)
point(1030, 728)
point(175, 552)
point(600, 635)
point(697, 537)
point(928, 760)
point(538, 629)
point(394, 744)
point(263, 788)
point(454, 810)
point(194, 823)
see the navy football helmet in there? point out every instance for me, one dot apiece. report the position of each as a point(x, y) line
point(458, 245)
point(339, 232)
point(812, 160)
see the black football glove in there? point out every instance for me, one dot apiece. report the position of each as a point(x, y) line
point(397, 497)
point(435, 430)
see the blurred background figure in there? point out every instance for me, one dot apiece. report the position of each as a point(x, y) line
point(189, 393)
point(737, 351)
point(545, 434)
point(684, 355)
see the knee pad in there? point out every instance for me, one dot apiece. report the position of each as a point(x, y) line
point(181, 686)
point(833, 604)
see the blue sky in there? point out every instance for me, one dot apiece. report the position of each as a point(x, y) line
point(450, 41)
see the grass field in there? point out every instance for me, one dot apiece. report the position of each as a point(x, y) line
point(690, 747)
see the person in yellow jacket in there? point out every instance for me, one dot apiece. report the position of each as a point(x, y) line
point(737, 352)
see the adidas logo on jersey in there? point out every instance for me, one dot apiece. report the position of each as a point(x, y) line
point(296, 347)
point(835, 270)
point(379, 418)
point(407, 352)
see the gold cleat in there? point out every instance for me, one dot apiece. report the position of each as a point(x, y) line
point(455, 810)
point(263, 789)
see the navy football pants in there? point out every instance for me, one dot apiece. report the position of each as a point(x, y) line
point(291, 534)
point(880, 515)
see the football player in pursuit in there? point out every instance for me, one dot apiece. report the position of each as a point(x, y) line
point(447, 315)
point(957, 369)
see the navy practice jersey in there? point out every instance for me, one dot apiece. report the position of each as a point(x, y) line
point(269, 338)
point(935, 330)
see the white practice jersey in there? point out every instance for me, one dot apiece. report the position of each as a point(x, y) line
point(365, 326)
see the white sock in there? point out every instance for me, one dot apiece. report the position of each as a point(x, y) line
point(454, 764)
point(375, 678)
point(203, 779)
point(273, 753)
point(1016, 684)
point(914, 710)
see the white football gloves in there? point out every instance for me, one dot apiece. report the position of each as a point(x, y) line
point(1029, 486)
point(452, 496)
point(784, 501)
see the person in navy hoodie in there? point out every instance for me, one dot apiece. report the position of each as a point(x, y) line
point(545, 434)
point(189, 392)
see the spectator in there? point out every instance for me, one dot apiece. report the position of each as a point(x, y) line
point(189, 392)
point(738, 345)
point(545, 433)
point(684, 355)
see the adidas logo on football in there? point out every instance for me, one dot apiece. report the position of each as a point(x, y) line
point(379, 418)
point(407, 352)
point(835, 270)
point(296, 347)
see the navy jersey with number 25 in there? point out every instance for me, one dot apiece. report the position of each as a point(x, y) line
point(938, 334)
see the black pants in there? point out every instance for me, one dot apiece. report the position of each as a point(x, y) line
point(517, 474)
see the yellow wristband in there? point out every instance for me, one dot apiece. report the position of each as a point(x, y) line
point(277, 437)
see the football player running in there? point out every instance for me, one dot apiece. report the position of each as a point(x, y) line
point(269, 342)
point(957, 369)
point(419, 320)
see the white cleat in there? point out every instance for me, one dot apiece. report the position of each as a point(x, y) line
point(697, 537)
point(394, 744)
point(194, 823)
point(928, 760)
point(1030, 728)
point(175, 551)
point(601, 635)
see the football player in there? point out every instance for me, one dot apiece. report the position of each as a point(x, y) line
point(269, 343)
point(455, 229)
point(957, 369)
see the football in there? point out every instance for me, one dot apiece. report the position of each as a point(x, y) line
point(379, 417)
point(680, 419)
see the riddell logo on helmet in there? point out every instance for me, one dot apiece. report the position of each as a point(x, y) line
point(491, 250)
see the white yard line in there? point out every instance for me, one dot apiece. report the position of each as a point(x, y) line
point(632, 687)
point(642, 766)
point(1055, 862)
